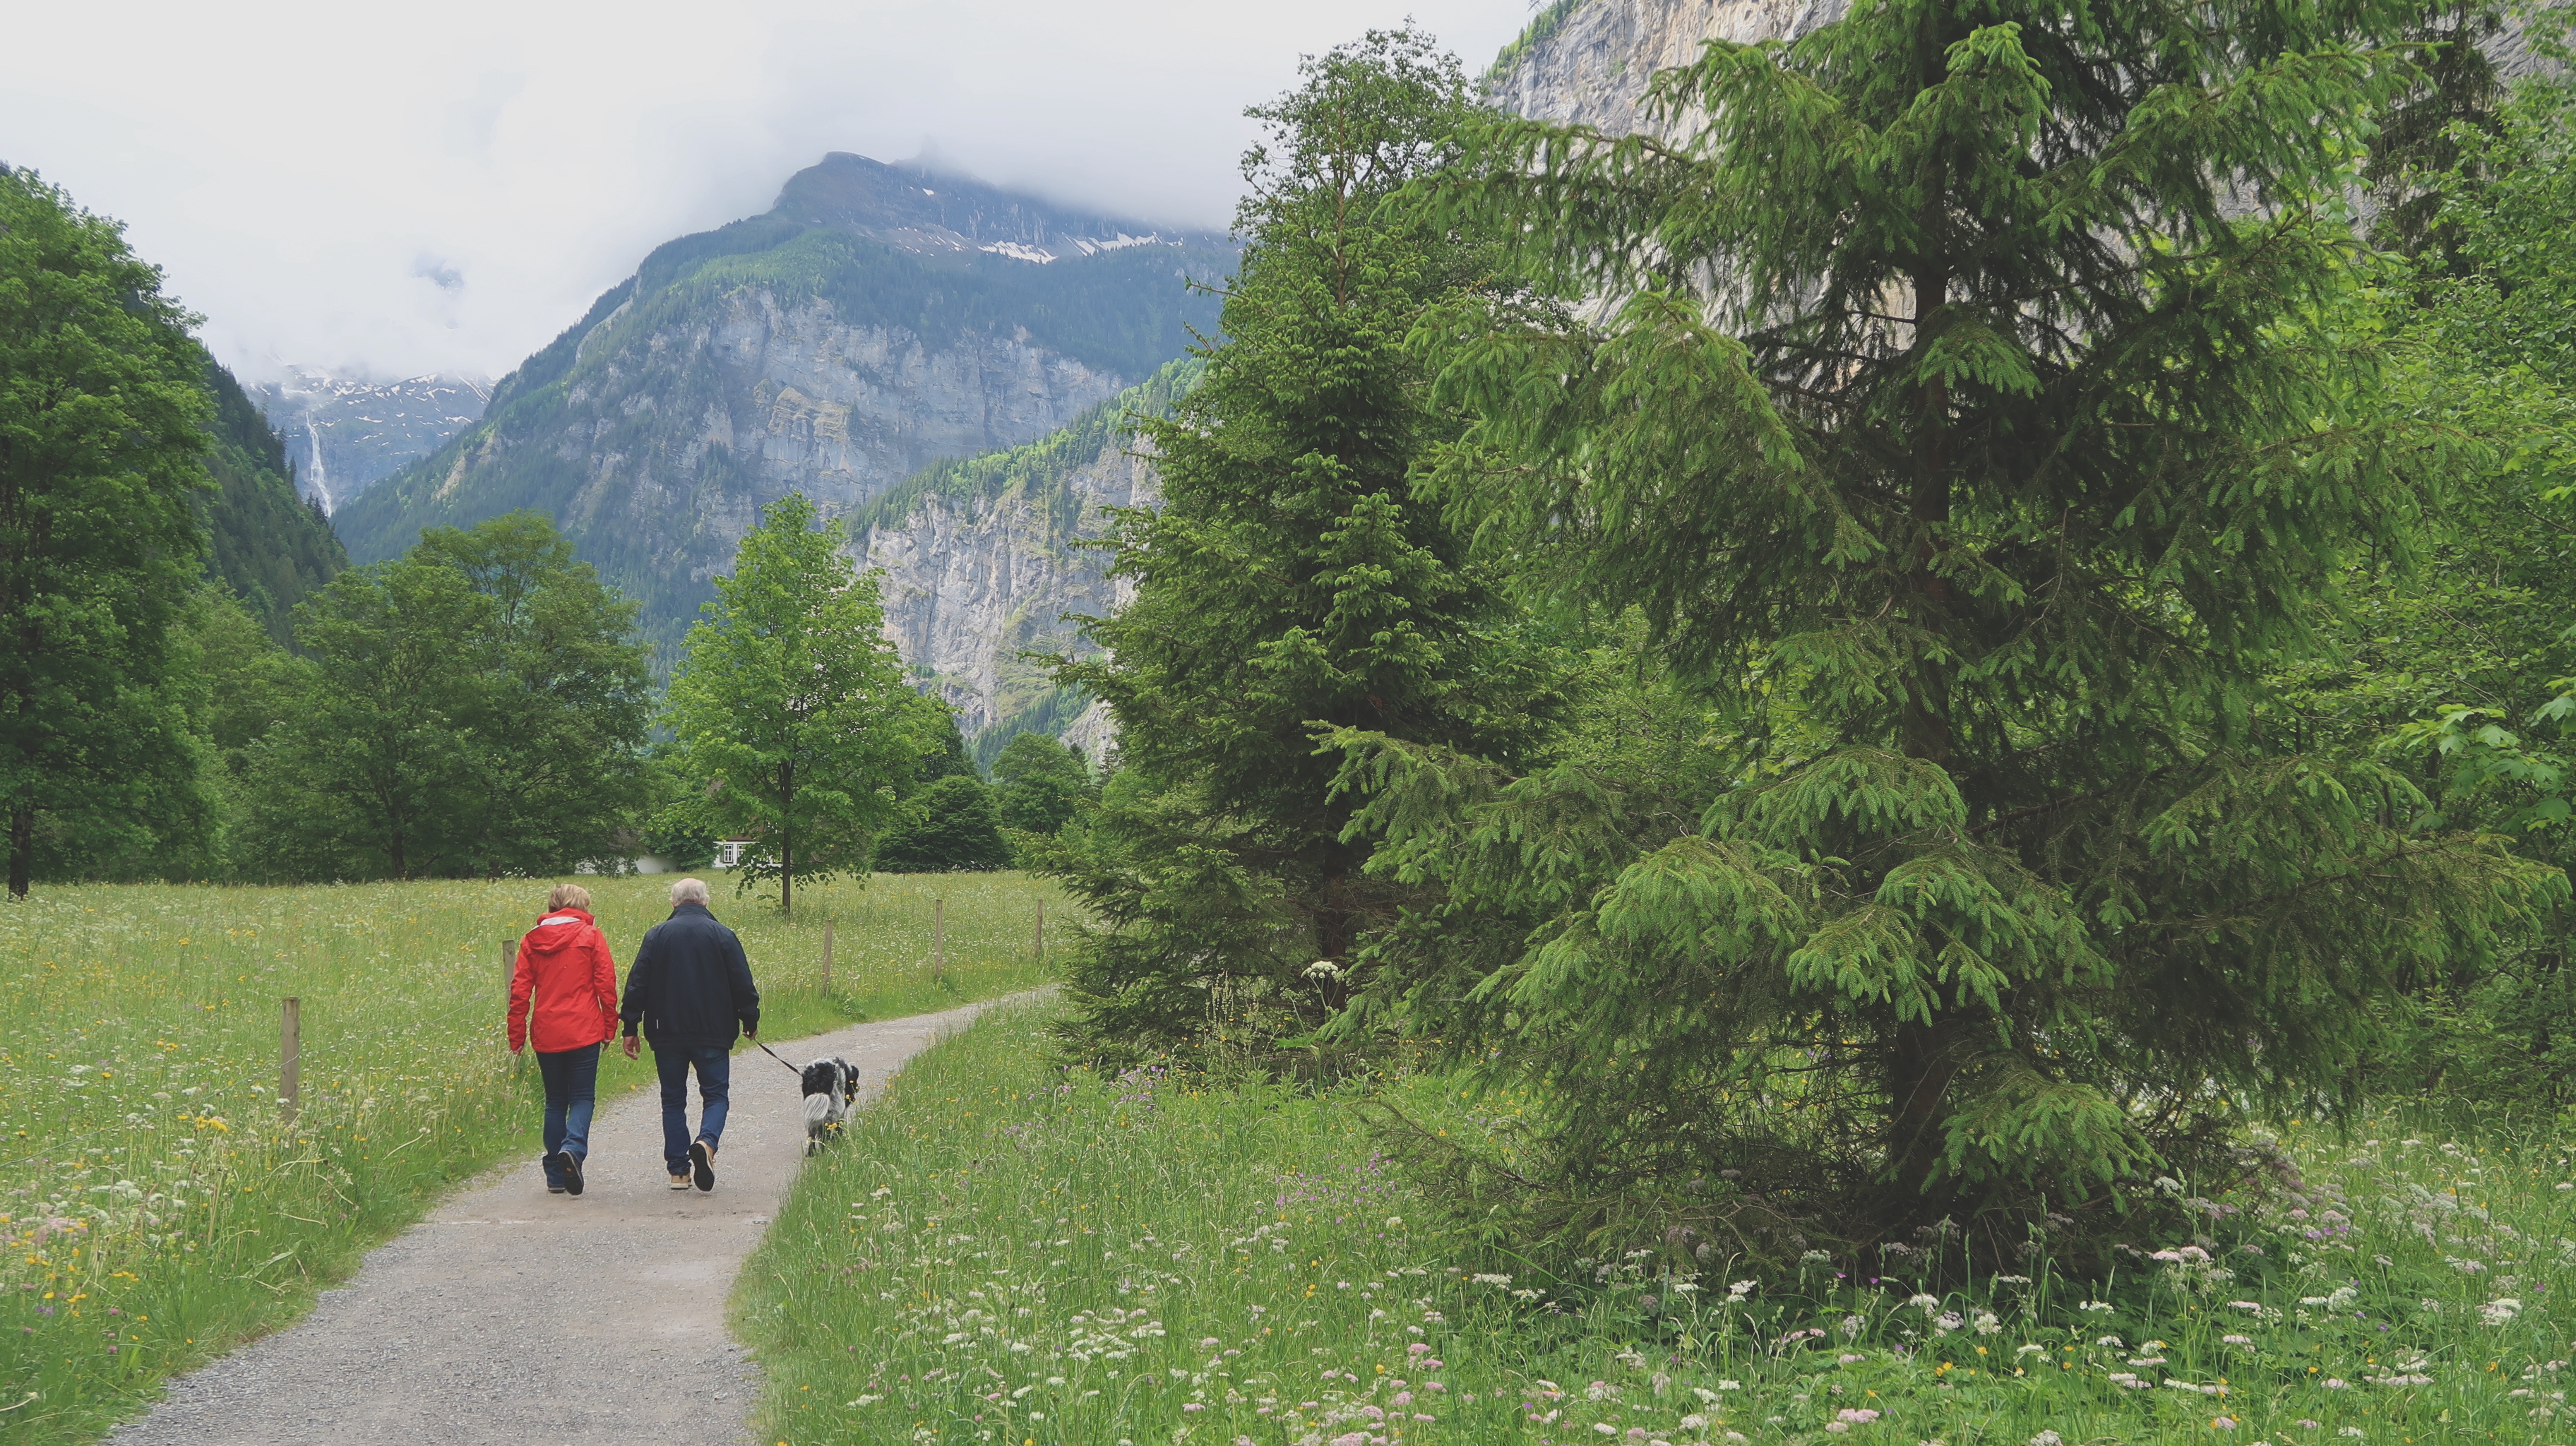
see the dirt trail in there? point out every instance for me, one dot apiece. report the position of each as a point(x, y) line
point(511, 1315)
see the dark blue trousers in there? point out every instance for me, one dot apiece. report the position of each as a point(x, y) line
point(572, 1091)
point(714, 1065)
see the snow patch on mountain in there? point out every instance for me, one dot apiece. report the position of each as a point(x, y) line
point(344, 432)
point(1018, 252)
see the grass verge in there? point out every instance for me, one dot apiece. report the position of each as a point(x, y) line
point(155, 1206)
point(1002, 1251)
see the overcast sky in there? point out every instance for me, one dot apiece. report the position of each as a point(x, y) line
point(446, 186)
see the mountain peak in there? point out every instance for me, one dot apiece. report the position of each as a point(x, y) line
point(917, 208)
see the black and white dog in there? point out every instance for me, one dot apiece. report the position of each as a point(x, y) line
point(831, 1087)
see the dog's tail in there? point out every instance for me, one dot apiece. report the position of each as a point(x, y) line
point(818, 1113)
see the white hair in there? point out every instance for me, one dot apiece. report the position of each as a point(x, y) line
point(689, 891)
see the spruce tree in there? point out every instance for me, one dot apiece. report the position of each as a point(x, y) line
point(1975, 403)
point(1290, 578)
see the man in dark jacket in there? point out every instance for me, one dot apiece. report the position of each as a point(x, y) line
point(690, 987)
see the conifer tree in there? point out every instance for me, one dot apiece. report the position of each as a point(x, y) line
point(1975, 406)
point(1290, 577)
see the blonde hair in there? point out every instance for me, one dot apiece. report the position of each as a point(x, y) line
point(568, 896)
point(689, 891)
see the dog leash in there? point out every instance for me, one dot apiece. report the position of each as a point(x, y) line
point(782, 1059)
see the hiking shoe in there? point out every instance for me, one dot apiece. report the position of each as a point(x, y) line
point(702, 1164)
point(555, 1190)
point(680, 1181)
point(570, 1164)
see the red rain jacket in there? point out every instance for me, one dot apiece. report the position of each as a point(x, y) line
point(564, 963)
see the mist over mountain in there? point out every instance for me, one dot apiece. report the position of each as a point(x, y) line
point(346, 433)
point(877, 320)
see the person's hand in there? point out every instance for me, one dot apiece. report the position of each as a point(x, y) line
point(514, 1049)
point(752, 1035)
point(630, 1046)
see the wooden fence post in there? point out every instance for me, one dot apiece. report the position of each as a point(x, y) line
point(827, 958)
point(938, 941)
point(1041, 935)
point(290, 1050)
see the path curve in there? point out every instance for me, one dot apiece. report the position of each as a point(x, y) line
point(510, 1315)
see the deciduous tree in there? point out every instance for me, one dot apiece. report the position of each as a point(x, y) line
point(474, 707)
point(792, 704)
point(102, 447)
point(1040, 780)
point(948, 826)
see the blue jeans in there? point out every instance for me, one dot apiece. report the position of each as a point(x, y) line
point(572, 1091)
point(715, 1077)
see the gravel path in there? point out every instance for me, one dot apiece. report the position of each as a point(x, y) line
point(511, 1315)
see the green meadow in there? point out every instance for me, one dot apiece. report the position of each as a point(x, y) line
point(157, 1207)
point(1004, 1250)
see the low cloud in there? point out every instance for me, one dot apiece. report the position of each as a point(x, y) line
point(301, 178)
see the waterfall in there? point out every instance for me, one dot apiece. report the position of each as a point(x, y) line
point(319, 475)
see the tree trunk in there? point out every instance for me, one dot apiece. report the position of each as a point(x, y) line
point(787, 840)
point(1333, 940)
point(22, 842)
point(1925, 1056)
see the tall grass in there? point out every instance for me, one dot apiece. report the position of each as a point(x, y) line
point(157, 1207)
point(1005, 1252)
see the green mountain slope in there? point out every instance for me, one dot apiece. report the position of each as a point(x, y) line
point(878, 319)
point(269, 545)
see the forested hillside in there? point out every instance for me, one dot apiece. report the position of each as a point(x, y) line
point(270, 546)
point(877, 320)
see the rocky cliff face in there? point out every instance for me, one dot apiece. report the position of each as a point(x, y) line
point(981, 563)
point(1587, 62)
point(344, 434)
point(878, 320)
point(971, 584)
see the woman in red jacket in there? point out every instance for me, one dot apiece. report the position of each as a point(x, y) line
point(566, 974)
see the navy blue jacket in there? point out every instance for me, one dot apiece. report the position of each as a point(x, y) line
point(690, 985)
